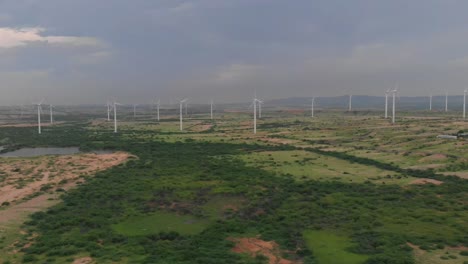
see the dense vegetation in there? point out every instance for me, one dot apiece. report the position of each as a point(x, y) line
point(184, 178)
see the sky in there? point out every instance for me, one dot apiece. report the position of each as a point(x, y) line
point(88, 51)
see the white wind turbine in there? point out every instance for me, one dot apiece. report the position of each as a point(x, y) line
point(39, 111)
point(350, 104)
point(464, 103)
point(109, 108)
point(51, 110)
point(115, 104)
point(181, 105)
point(211, 109)
point(312, 107)
point(157, 104)
point(386, 103)
point(134, 110)
point(255, 101)
point(394, 92)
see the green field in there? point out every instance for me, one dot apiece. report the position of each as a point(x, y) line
point(338, 188)
point(330, 248)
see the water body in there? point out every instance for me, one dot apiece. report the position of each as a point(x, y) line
point(34, 152)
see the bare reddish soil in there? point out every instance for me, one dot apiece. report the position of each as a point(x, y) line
point(27, 181)
point(426, 181)
point(255, 246)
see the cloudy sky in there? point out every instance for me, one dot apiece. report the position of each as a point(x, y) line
point(86, 51)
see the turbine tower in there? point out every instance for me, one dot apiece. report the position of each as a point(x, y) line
point(158, 104)
point(211, 109)
point(115, 116)
point(181, 103)
point(254, 103)
point(51, 114)
point(350, 106)
point(39, 111)
point(109, 107)
point(312, 107)
point(134, 111)
point(464, 103)
point(446, 101)
point(394, 92)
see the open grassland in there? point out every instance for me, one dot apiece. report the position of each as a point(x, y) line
point(338, 188)
point(330, 248)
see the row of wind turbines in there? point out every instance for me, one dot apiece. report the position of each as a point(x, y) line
point(112, 107)
point(157, 104)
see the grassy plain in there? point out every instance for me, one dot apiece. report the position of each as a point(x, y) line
point(338, 188)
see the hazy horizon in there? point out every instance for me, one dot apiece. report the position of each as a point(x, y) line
point(86, 52)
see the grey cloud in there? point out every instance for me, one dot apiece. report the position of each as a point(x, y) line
point(226, 49)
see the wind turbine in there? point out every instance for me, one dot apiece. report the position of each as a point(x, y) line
point(109, 107)
point(464, 103)
point(134, 110)
point(255, 101)
point(430, 101)
point(386, 103)
point(394, 92)
point(181, 103)
point(446, 101)
point(115, 104)
point(312, 107)
point(211, 109)
point(39, 111)
point(51, 114)
point(350, 102)
point(158, 104)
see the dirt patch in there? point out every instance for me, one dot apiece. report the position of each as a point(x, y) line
point(30, 125)
point(278, 140)
point(256, 246)
point(426, 181)
point(27, 182)
point(85, 260)
point(463, 175)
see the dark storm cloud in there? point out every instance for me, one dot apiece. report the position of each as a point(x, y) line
point(84, 51)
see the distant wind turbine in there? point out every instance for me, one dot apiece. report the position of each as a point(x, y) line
point(255, 101)
point(109, 107)
point(181, 103)
point(211, 109)
point(394, 92)
point(115, 115)
point(39, 111)
point(51, 107)
point(350, 105)
point(134, 110)
point(158, 104)
point(312, 107)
